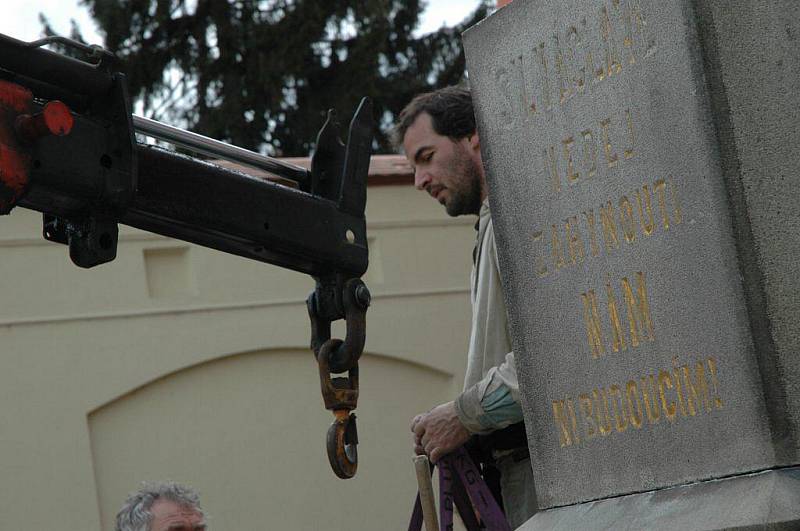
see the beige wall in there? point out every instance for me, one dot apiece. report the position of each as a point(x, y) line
point(180, 362)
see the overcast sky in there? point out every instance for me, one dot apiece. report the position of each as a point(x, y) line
point(20, 18)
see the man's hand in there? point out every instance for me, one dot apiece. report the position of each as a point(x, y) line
point(438, 432)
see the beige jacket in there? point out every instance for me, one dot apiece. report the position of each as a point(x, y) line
point(490, 400)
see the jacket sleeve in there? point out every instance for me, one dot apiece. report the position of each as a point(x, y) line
point(493, 402)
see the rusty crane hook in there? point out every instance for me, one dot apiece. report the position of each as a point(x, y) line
point(340, 395)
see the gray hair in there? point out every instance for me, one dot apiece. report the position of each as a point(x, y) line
point(135, 514)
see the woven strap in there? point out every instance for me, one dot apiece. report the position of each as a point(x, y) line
point(460, 484)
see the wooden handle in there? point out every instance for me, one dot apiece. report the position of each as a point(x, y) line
point(423, 469)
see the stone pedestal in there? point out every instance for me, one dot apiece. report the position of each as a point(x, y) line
point(752, 501)
point(642, 160)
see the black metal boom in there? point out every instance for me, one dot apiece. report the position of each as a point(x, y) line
point(68, 149)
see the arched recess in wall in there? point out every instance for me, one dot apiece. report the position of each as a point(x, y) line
point(248, 430)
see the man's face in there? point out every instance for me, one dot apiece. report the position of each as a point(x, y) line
point(169, 516)
point(446, 169)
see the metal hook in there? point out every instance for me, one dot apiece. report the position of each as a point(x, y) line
point(333, 299)
point(340, 396)
point(342, 441)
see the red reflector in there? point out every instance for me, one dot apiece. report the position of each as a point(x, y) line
point(14, 96)
point(58, 119)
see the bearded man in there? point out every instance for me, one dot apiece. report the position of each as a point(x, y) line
point(439, 137)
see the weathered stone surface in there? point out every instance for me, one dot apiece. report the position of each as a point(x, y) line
point(753, 65)
point(768, 500)
point(640, 159)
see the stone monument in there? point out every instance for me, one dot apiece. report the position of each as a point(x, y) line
point(643, 159)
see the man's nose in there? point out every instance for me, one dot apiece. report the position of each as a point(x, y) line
point(421, 178)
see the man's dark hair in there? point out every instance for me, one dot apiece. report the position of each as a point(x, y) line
point(451, 113)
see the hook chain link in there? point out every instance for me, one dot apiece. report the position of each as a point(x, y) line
point(334, 356)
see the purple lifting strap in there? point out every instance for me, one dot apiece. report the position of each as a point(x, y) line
point(456, 471)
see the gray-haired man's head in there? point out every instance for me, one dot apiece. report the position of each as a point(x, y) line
point(160, 507)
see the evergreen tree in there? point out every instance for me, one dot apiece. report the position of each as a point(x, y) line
point(262, 74)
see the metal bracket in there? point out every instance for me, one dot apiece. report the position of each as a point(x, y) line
point(339, 171)
point(92, 241)
point(336, 299)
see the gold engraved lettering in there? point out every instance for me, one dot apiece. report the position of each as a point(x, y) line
point(697, 390)
point(626, 219)
point(575, 43)
point(587, 411)
point(650, 405)
point(634, 414)
point(580, 32)
point(585, 163)
point(548, 104)
point(564, 81)
point(669, 409)
point(678, 386)
point(614, 408)
point(572, 175)
point(592, 236)
point(646, 220)
point(558, 253)
point(611, 157)
point(634, 214)
point(627, 41)
point(575, 56)
point(599, 70)
point(524, 85)
point(629, 153)
point(603, 424)
point(589, 152)
point(619, 412)
point(638, 311)
point(612, 64)
point(637, 25)
point(561, 423)
point(541, 268)
point(593, 331)
point(552, 165)
point(574, 240)
point(571, 410)
point(618, 338)
point(712, 368)
point(609, 226)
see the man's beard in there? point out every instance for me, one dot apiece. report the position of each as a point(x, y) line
point(466, 198)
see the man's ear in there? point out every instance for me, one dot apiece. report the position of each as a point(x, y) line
point(474, 141)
